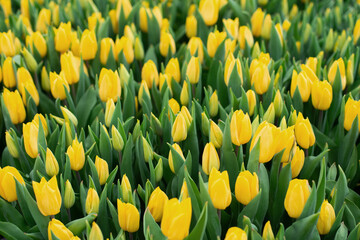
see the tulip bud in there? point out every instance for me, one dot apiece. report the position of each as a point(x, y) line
point(216, 135)
point(179, 129)
point(266, 27)
point(338, 64)
point(329, 41)
point(286, 25)
point(350, 70)
point(69, 195)
point(114, 22)
point(159, 170)
point(123, 6)
point(326, 218)
point(125, 46)
point(129, 216)
point(167, 42)
point(303, 132)
point(184, 95)
point(8, 175)
point(70, 68)
point(245, 37)
point(356, 32)
point(176, 218)
point(156, 204)
point(63, 37)
point(191, 26)
point(148, 152)
point(296, 196)
point(51, 164)
point(76, 155)
point(57, 84)
point(11, 145)
point(268, 232)
point(26, 83)
point(173, 69)
point(235, 233)
point(129, 33)
point(6, 6)
point(102, 169)
point(214, 40)
point(214, 104)
point(125, 188)
point(109, 111)
point(59, 230)
point(352, 109)
point(48, 196)
point(195, 45)
point(95, 233)
point(7, 44)
point(150, 74)
point(297, 162)
point(170, 158)
point(188, 118)
point(283, 124)
point(205, 124)
point(303, 83)
point(45, 82)
point(30, 60)
point(269, 115)
point(251, 98)
point(8, 73)
point(117, 140)
point(209, 10)
point(124, 75)
point(14, 105)
point(210, 158)
point(240, 127)
point(138, 49)
point(267, 133)
point(143, 87)
point(321, 95)
point(246, 187)
point(92, 201)
point(219, 189)
point(94, 20)
point(30, 132)
point(69, 116)
point(109, 85)
point(278, 103)
point(106, 45)
point(184, 191)
point(232, 27)
point(88, 45)
point(193, 70)
point(257, 21)
point(261, 78)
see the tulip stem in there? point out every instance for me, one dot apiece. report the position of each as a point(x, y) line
point(69, 213)
point(78, 176)
point(73, 91)
point(321, 116)
point(36, 80)
point(193, 91)
point(120, 158)
point(219, 215)
point(131, 236)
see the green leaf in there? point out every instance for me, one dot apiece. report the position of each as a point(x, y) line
point(87, 101)
point(310, 204)
point(355, 233)
point(275, 47)
point(321, 186)
point(199, 229)
point(253, 164)
point(341, 233)
point(251, 209)
point(78, 226)
point(150, 225)
point(303, 228)
point(105, 146)
point(12, 232)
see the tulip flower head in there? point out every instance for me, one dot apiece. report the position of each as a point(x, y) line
point(219, 189)
point(48, 197)
point(8, 175)
point(296, 196)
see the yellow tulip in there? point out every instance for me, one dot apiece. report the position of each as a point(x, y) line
point(125, 188)
point(88, 45)
point(179, 129)
point(70, 67)
point(268, 232)
point(210, 158)
point(129, 32)
point(95, 233)
point(59, 230)
point(176, 218)
point(214, 104)
point(138, 49)
point(146, 12)
point(321, 95)
point(7, 44)
point(309, 73)
point(235, 233)
point(251, 98)
point(125, 7)
point(8, 175)
point(219, 189)
point(278, 103)
point(106, 45)
point(191, 26)
point(326, 218)
point(167, 42)
point(125, 45)
point(261, 78)
point(14, 105)
point(356, 31)
point(214, 40)
point(47, 196)
point(296, 196)
point(195, 45)
point(246, 187)
point(170, 158)
point(303, 132)
point(75, 44)
point(114, 21)
point(37, 40)
point(69, 195)
point(257, 21)
point(312, 62)
point(93, 20)
point(232, 27)
point(25, 81)
point(184, 95)
point(287, 142)
point(230, 64)
point(43, 20)
point(297, 162)
point(149, 74)
point(173, 69)
point(8, 73)
point(76, 155)
point(156, 204)
point(57, 84)
point(245, 37)
point(240, 128)
point(10, 144)
point(286, 25)
point(184, 191)
point(109, 85)
point(216, 135)
point(30, 132)
point(92, 201)
point(352, 109)
point(266, 27)
point(63, 37)
point(143, 87)
point(109, 111)
point(174, 106)
point(209, 10)
point(102, 169)
point(6, 6)
point(188, 118)
point(51, 164)
point(338, 64)
point(193, 70)
point(129, 216)
point(303, 83)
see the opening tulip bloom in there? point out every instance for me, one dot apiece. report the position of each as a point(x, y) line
point(38, 41)
point(195, 45)
point(297, 162)
point(14, 105)
point(303, 83)
point(219, 189)
point(296, 196)
point(88, 45)
point(25, 82)
point(7, 183)
point(246, 187)
point(128, 216)
point(230, 64)
point(167, 43)
point(76, 155)
point(176, 218)
point(48, 196)
point(214, 40)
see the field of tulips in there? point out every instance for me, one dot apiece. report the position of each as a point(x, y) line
point(179, 119)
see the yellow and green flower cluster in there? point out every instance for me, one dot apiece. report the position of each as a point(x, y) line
point(179, 119)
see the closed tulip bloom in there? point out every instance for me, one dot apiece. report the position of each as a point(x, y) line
point(48, 196)
point(30, 132)
point(240, 127)
point(235, 233)
point(261, 78)
point(143, 88)
point(209, 10)
point(75, 44)
point(8, 175)
point(232, 27)
point(297, 162)
point(257, 21)
point(230, 64)
point(184, 95)
point(14, 105)
point(70, 67)
point(156, 204)
point(214, 40)
point(179, 129)
point(37, 40)
point(267, 133)
point(193, 70)
point(138, 49)
point(125, 45)
point(246, 187)
point(57, 84)
point(303, 132)
point(173, 69)
point(7, 44)
point(109, 111)
point(114, 21)
point(147, 149)
point(251, 97)
point(6, 6)
point(109, 85)
point(309, 73)
point(184, 191)
point(219, 189)
point(129, 216)
point(8, 73)
point(176, 218)
point(167, 42)
point(149, 74)
point(125, 7)
point(195, 45)
point(40, 118)
point(321, 95)
point(93, 20)
point(188, 118)
point(43, 20)
point(266, 27)
point(296, 196)
point(356, 31)
point(216, 135)
point(174, 106)
point(303, 83)
point(312, 62)
point(51, 164)
point(76, 155)
point(146, 12)
point(214, 104)
point(102, 169)
point(11, 145)
point(191, 26)
point(63, 37)
point(326, 218)
point(69, 195)
point(210, 158)
point(25, 81)
point(125, 188)
point(106, 45)
point(59, 230)
point(95, 233)
point(170, 158)
point(268, 232)
point(287, 142)
point(269, 115)
point(129, 32)
point(338, 64)
point(352, 109)
point(88, 45)
point(92, 201)
point(245, 37)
